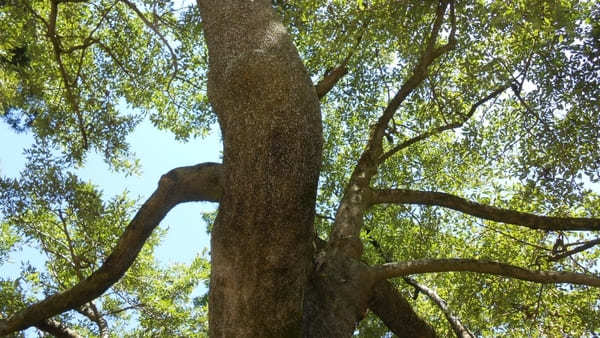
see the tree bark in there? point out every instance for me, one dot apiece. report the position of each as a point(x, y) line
point(269, 114)
point(532, 221)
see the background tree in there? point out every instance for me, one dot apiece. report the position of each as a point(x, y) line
point(435, 137)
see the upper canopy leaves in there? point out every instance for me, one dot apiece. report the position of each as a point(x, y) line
point(70, 68)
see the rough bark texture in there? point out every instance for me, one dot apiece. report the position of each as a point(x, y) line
point(267, 279)
point(269, 115)
point(419, 266)
point(56, 329)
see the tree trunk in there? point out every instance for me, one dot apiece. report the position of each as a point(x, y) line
point(269, 115)
point(266, 279)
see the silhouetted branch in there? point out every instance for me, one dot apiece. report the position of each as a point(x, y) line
point(578, 249)
point(443, 128)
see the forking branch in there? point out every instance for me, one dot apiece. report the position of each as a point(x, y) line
point(443, 128)
point(430, 54)
point(345, 234)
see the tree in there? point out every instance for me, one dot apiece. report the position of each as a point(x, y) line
point(452, 142)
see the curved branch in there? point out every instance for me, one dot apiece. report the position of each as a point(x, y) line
point(430, 54)
point(459, 329)
point(402, 269)
point(90, 311)
point(201, 182)
point(348, 223)
point(346, 229)
point(396, 313)
point(407, 196)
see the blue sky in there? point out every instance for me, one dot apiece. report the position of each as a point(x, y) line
point(158, 153)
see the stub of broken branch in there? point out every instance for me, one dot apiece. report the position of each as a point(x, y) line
point(330, 79)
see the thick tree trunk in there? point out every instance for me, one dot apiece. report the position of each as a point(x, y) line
point(265, 278)
point(270, 119)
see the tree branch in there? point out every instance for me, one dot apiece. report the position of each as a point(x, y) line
point(578, 249)
point(57, 48)
point(390, 270)
point(160, 36)
point(91, 311)
point(56, 329)
point(430, 54)
point(202, 182)
point(459, 329)
point(332, 77)
point(396, 313)
point(406, 196)
point(346, 230)
point(443, 128)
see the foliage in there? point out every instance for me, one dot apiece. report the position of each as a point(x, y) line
point(82, 84)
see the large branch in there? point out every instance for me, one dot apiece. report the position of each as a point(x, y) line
point(407, 196)
point(403, 269)
point(396, 313)
point(459, 329)
point(349, 218)
point(201, 182)
point(57, 329)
